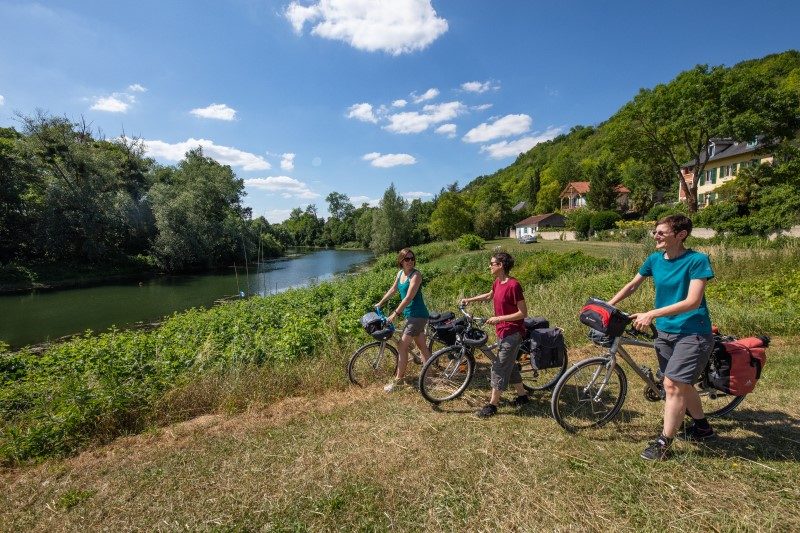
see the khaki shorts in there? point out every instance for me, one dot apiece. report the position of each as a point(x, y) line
point(415, 326)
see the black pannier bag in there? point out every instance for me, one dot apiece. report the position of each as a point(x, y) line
point(547, 348)
point(535, 322)
point(440, 318)
point(446, 331)
point(603, 317)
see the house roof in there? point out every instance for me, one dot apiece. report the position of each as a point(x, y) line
point(725, 148)
point(582, 187)
point(532, 221)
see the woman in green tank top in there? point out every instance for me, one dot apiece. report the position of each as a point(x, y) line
point(407, 282)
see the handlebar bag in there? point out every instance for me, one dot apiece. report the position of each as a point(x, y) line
point(603, 317)
point(735, 366)
point(371, 322)
point(446, 331)
point(547, 348)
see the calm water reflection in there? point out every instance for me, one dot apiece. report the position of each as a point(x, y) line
point(40, 316)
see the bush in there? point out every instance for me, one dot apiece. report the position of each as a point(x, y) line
point(470, 242)
point(603, 220)
point(660, 211)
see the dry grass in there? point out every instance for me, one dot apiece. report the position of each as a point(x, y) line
point(360, 459)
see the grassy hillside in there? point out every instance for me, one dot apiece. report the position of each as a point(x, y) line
point(274, 438)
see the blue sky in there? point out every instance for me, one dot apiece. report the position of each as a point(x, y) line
point(307, 97)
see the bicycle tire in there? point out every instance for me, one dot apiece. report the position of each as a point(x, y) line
point(574, 404)
point(717, 404)
point(368, 365)
point(435, 344)
point(446, 375)
point(539, 380)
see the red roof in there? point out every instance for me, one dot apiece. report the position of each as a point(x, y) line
point(582, 187)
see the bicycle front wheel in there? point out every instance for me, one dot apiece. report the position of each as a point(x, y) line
point(375, 362)
point(716, 403)
point(589, 394)
point(446, 375)
point(540, 379)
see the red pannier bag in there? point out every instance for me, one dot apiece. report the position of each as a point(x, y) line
point(603, 317)
point(736, 366)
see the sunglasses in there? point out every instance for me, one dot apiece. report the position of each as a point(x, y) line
point(409, 258)
point(494, 263)
point(660, 233)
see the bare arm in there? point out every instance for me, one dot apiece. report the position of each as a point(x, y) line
point(694, 297)
point(627, 290)
point(479, 298)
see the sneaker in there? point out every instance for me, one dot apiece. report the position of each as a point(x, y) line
point(520, 401)
point(393, 385)
point(695, 434)
point(658, 450)
point(487, 411)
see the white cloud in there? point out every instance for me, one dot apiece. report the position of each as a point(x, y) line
point(358, 200)
point(396, 26)
point(430, 94)
point(283, 185)
point(447, 129)
point(287, 161)
point(389, 160)
point(116, 103)
point(362, 112)
point(223, 154)
point(479, 87)
point(137, 88)
point(505, 149)
point(416, 194)
point(482, 107)
point(276, 216)
point(502, 127)
point(2, 99)
point(215, 111)
point(399, 103)
point(415, 122)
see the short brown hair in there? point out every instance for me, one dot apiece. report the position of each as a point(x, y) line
point(402, 253)
point(677, 223)
point(505, 259)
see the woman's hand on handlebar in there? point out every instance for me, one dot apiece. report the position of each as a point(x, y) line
point(643, 321)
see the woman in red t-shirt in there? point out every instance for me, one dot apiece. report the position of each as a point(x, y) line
point(509, 312)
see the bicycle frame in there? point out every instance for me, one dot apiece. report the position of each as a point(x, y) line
point(618, 349)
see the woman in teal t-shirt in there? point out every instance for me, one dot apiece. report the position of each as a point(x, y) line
point(680, 315)
point(408, 282)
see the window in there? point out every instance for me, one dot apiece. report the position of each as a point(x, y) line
point(733, 169)
point(713, 176)
point(703, 178)
point(701, 199)
point(712, 197)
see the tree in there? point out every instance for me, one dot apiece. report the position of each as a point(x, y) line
point(547, 198)
point(675, 121)
point(451, 217)
point(339, 205)
point(603, 181)
point(390, 229)
point(198, 214)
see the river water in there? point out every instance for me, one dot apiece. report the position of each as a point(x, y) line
point(47, 315)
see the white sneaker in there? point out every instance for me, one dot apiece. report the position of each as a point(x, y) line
point(393, 386)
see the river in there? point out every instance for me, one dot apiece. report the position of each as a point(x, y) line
point(46, 315)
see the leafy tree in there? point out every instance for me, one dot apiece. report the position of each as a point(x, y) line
point(603, 181)
point(198, 214)
point(547, 198)
point(419, 215)
point(390, 229)
point(675, 122)
point(339, 205)
point(363, 221)
point(451, 217)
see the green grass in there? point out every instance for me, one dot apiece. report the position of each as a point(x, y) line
point(241, 418)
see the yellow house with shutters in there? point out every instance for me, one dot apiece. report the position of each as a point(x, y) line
point(725, 159)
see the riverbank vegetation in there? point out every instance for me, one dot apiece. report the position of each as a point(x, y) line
point(256, 390)
point(97, 387)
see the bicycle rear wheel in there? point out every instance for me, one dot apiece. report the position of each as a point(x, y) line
point(541, 379)
point(589, 395)
point(446, 375)
point(716, 403)
point(375, 362)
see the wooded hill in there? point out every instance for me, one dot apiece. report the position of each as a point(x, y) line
point(645, 142)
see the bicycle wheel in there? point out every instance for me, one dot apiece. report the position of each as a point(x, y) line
point(435, 344)
point(716, 403)
point(446, 375)
point(543, 379)
point(588, 396)
point(375, 362)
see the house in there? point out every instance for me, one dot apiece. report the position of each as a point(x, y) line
point(536, 223)
point(574, 195)
point(725, 158)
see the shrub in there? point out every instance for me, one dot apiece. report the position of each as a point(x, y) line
point(660, 211)
point(470, 242)
point(603, 220)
